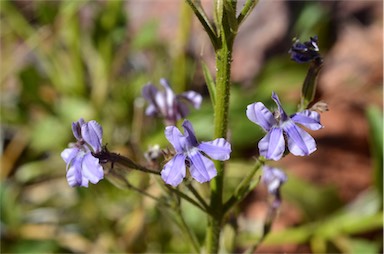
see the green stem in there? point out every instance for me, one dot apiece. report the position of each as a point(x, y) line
point(223, 67)
point(134, 188)
point(271, 215)
point(245, 186)
point(200, 14)
point(119, 161)
point(187, 198)
point(198, 196)
point(248, 7)
point(222, 41)
point(187, 231)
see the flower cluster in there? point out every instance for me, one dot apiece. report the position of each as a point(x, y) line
point(283, 134)
point(82, 166)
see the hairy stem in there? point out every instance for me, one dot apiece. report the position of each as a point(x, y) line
point(223, 73)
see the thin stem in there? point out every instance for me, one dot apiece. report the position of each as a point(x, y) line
point(271, 215)
point(223, 67)
point(187, 231)
point(114, 158)
point(187, 198)
point(244, 187)
point(248, 7)
point(200, 14)
point(131, 187)
point(198, 196)
point(182, 223)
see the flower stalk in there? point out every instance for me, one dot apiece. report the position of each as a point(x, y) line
point(121, 162)
point(246, 186)
point(223, 74)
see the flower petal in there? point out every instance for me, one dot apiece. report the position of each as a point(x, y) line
point(174, 136)
point(283, 116)
point(189, 133)
point(272, 146)
point(173, 172)
point(192, 97)
point(181, 109)
point(151, 110)
point(166, 101)
point(76, 128)
point(92, 133)
point(69, 154)
point(149, 91)
point(152, 95)
point(260, 115)
point(74, 174)
point(202, 169)
point(218, 149)
point(308, 118)
point(91, 169)
point(167, 104)
point(300, 143)
point(273, 178)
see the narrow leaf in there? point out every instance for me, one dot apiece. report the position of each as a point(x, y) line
point(375, 119)
point(210, 83)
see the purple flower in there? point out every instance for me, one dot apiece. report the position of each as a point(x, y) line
point(305, 52)
point(190, 151)
point(82, 166)
point(167, 104)
point(274, 178)
point(272, 146)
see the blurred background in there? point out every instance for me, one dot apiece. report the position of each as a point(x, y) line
point(62, 60)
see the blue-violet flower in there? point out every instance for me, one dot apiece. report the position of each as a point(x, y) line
point(190, 151)
point(82, 166)
point(272, 146)
point(274, 178)
point(167, 104)
point(305, 52)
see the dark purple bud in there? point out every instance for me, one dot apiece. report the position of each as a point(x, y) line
point(305, 52)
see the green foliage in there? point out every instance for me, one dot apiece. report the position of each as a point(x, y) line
point(375, 118)
point(57, 68)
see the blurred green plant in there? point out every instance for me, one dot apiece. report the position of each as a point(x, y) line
point(62, 60)
point(375, 119)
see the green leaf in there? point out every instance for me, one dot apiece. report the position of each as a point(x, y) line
point(210, 84)
point(375, 119)
point(363, 246)
point(230, 14)
point(218, 13)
